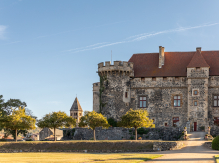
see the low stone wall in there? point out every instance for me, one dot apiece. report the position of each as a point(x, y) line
point(119, 133)
point(214, 131)
point(208, 144)
point(89, 146)
point(165, 146)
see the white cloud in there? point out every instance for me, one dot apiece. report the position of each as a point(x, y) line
point(2, 31)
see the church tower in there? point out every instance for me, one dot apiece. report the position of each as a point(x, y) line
point(76, 110)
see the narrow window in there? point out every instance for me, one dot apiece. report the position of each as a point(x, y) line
point(195, 92)
point(142, 102)
point(126, 94)
point(195, 103)
point(153, 79)
point(80, 114)
point(164, 78)
point(165, 124)
point(176, 101)
point(216, 100)
point(76, 114)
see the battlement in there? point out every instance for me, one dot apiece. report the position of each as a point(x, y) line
point(119, 67)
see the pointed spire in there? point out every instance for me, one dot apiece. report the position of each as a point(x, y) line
point(76, 105)
point(197, 60)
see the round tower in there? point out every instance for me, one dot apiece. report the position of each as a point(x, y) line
point(114, 88)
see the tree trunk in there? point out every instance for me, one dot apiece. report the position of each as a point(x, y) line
point(54, 134)
point(15, 135)
point(136, 134)
point(94, 135)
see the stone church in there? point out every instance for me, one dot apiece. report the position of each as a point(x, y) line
point(176, 88)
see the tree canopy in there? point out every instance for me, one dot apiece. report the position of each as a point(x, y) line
point(136, 118)
point(93, 120)
point(17, 120)
point(56, 120)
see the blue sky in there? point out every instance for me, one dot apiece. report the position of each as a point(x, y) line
point(50, 48)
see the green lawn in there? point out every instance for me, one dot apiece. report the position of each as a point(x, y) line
point(75, 157)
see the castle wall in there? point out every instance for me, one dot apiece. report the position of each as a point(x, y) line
point(212, 90)
point(122, 92)
point(160, 98)
point(96, 99)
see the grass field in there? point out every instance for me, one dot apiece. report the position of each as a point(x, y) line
point(75, 157)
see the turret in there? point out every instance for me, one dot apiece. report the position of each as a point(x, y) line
point(119, 68)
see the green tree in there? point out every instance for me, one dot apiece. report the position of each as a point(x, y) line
point(93, 120)
point(112, 122)
point(56, 120)
point(17, 120)
point(136, 118)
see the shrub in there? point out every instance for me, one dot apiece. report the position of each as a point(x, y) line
point(132, 137)
point(112, 122)
point(215, 143)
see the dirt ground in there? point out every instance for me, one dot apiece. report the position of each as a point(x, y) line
point(193, 152)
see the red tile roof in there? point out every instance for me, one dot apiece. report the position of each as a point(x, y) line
point(175, 63)
point(197, 61)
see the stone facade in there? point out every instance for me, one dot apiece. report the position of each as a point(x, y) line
point(195, 89)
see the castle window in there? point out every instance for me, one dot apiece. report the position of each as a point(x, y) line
point(177, 100)
point(195, 92)
point(126, 94)
point(196, 103)
point(153, 79)
point(165, 124)
point(142, 102)
point(164, 78)
point(216, 100)
point(216, 121)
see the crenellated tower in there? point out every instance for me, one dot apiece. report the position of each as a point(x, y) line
point(112, 93)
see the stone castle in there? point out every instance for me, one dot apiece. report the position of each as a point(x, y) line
point(176, 88)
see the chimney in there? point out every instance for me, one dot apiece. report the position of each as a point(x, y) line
point(161, 56)
point(199, 48)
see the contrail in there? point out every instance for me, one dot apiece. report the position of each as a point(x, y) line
point(139, 37)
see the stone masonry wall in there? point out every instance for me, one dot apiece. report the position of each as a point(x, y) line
point(119, 133)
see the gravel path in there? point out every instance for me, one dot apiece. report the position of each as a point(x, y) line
point(193, 152)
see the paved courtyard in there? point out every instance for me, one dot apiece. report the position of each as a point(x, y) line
point(193, 152)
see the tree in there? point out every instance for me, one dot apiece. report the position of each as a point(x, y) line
point(17, 120)
point(112, 122)
point(136, 118)
point(93, 120)
point(55, 120)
